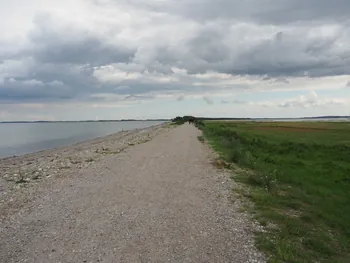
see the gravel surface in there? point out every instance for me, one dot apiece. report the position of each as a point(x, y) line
point(157, 200)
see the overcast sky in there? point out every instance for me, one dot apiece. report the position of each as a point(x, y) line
point(112, 59)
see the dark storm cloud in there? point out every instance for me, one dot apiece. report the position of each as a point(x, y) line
point(85, 51)
point(207, 44)
point(64, 44)
point(262, 11)
point(32, 91)
point(304, 50)
point(61, 54)
point(49, 81)
point(280, 55)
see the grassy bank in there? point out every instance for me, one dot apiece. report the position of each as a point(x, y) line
point(299, 181)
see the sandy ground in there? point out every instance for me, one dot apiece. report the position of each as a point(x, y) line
point(142, 196)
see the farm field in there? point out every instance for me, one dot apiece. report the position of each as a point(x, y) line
point(298, 175)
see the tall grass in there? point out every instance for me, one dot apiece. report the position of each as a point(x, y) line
point(299, 182)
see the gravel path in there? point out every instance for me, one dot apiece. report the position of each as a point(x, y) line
point(159, 201)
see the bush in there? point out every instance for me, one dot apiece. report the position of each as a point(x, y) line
point(178, 120)
point(181, 120)
point(235, 155)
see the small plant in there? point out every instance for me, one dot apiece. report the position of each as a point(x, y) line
point(264, 179)
point(89, 160)
point(235, 155)
point(201, 139)
point(22, 179)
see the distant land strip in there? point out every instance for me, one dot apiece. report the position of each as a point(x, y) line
point(199, 118)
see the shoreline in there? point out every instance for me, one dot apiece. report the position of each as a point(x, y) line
point(22, 150)
point(122, 120)
point(22, 175)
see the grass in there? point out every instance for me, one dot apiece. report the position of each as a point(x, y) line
point(298, 175)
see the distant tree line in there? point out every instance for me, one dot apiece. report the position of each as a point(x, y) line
point(182, 120)
point(198, 122)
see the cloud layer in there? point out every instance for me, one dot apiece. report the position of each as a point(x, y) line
point(108, 51)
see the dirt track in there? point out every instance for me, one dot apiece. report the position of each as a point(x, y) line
point(159, 201)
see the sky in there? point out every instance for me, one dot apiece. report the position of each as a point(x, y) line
point(114, 59)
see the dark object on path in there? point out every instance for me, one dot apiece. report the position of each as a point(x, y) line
point(191, 120)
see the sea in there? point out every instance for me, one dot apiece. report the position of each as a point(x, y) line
point(22, 138)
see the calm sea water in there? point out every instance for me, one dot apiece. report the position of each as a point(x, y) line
point(22, 138)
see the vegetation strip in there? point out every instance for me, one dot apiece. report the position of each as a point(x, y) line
point(298, 175)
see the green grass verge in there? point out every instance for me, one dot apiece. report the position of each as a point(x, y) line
point(299, 181)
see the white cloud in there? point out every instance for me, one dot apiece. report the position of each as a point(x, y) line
point(313, 100)
point(32, 82)
point(56, 83)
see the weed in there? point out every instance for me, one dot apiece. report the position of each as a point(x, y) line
point(22, 179)
point(201, 139)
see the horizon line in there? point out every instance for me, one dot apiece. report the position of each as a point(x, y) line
point(169, 119)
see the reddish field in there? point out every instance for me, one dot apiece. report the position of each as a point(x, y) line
point(292, 129)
